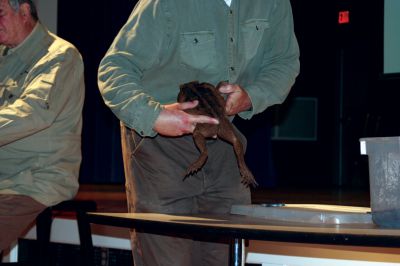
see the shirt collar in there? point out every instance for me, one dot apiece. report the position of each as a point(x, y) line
point(228, 2)
point(11, 50)
point(32, 45)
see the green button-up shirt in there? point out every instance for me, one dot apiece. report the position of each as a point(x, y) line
point(41, 99)
point(170, 42)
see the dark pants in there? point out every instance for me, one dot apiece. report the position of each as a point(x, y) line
point(154, 171)
point(17, 213)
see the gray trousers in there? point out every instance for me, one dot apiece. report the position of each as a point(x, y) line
point(154, 172)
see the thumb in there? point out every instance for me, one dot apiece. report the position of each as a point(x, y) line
point(226, 88)
point(228, 108)
point(188, 105)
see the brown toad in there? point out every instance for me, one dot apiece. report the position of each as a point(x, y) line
point(211, 103)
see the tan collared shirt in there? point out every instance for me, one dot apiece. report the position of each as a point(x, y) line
point(41, 99)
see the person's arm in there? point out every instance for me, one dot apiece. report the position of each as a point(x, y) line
point(280, 65)
point(137, 48)
point(46, 91)
point(134, 50)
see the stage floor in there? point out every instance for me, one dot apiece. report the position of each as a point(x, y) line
point(111, 198)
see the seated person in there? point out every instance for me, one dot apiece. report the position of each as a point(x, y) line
point(41, 100)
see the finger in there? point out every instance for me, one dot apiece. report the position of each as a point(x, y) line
point(226, 88)
point(193, 126)
point(188, 105)
point(204, 120)
point(228, 108)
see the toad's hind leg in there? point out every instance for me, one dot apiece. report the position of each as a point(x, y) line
point(200, 142)
point(231, 137)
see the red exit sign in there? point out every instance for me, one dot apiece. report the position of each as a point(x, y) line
point(344, 17)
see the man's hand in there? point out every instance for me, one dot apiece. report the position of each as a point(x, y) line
point(237, 98)
point(173, 121)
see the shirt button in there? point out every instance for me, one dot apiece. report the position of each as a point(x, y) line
point(232, 68)
point(231, 39)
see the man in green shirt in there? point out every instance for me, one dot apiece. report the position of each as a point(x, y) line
point(250, 44)
point(41, 99)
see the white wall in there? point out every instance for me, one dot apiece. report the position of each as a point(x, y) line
point(47, 10)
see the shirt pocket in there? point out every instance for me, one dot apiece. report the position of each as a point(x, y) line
point(198, 51)
point(252, 33)
point(9, 92)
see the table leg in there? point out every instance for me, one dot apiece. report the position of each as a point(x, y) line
point(236, 252)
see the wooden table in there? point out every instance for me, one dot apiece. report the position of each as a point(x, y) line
point(238, 227)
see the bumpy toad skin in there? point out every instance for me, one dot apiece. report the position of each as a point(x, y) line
point(211, 103)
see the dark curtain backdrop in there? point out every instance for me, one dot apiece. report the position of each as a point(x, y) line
point(91, 27)
point(339, 67)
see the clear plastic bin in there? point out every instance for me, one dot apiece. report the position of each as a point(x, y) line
point(384, 177)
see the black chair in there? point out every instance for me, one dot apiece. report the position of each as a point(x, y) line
point(43, 229)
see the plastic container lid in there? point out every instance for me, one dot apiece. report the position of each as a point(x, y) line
point(307, 213)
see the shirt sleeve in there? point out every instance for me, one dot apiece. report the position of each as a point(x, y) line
point(45, 91)
point(280, 65)
point(134, 50)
